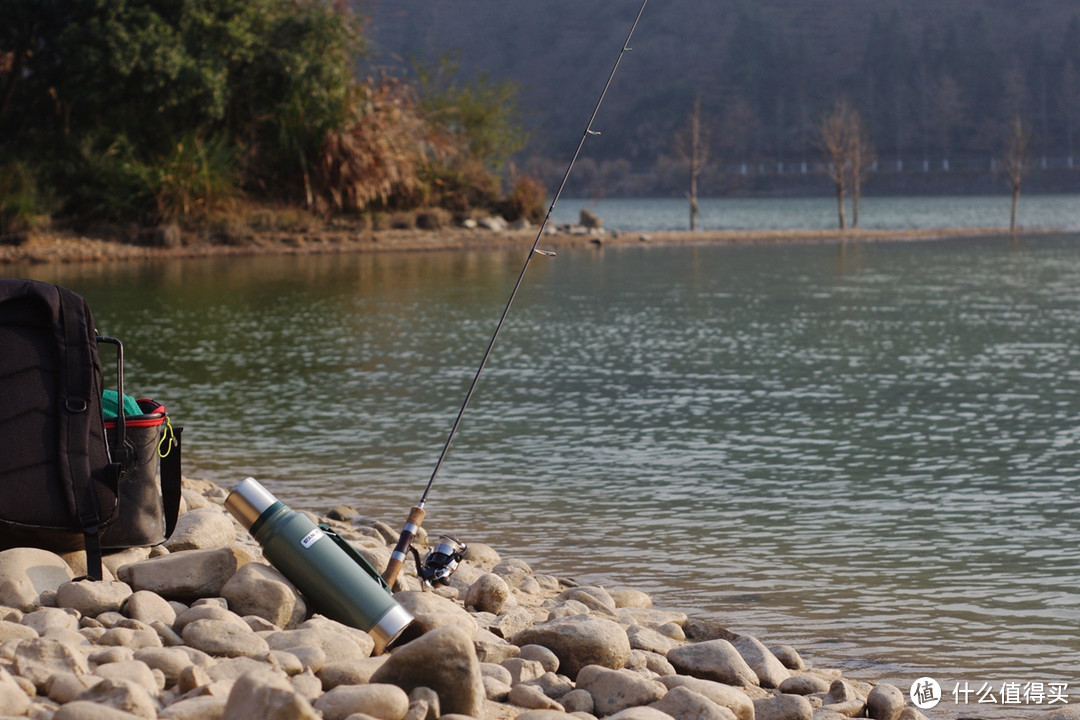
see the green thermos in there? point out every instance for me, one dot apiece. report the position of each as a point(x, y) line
point(336, 580)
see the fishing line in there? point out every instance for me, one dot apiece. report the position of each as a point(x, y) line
point(416, 515)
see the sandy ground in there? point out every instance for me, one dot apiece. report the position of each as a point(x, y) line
point(61, 247)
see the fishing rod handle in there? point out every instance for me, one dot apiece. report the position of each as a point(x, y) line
point(405, 541)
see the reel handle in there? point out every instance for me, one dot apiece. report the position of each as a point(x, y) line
point(405, 541)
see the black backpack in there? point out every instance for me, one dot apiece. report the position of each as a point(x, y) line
point(60, 487)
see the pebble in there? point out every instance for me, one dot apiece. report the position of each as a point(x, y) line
point(884, 702)
point(149, 607)
point(578, 641)
point(548, 660)
point(532, 697)
point(224, 639)
point(93, 598)
point(783, 707)
point(804, 684)
point(615, 690)
point(724, 695)
point(379, 700)
point(258, 695)
point(625, 597)
point(203, 628)
point(682, 702)
point(488, 594)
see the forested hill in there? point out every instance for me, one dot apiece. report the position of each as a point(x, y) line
point(932, 78)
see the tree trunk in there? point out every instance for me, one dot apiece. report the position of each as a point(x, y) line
point(1015, 203)
point(693, 201)
point(856, 193)
point(840, 205)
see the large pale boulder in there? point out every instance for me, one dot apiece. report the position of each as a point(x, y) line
point(443, 660)
point(713, 660)
point(579, 640)
point(25, 573)
point(770, 671)
point(261, 590)
point(432, 611)
point(201, 529)
point(188, 575)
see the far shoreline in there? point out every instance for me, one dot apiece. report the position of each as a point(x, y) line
point(68, 247)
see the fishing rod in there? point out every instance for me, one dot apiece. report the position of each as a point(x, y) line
point(446, 555)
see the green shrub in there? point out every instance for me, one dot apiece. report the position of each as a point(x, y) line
point(20, 202)
point(197, 177)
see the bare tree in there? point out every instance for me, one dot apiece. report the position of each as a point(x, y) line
point(860, 161)
point(849, 156)
point(693, 149)
point(1015, 164)
point(833, 139)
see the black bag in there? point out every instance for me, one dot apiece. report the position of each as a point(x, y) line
point(58, 484)
point(66, 480)
point(148, 506)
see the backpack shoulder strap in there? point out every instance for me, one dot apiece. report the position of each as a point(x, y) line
point(75, 412)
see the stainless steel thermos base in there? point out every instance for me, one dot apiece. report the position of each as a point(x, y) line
point(329, 579)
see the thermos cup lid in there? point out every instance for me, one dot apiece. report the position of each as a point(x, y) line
point(248, 501)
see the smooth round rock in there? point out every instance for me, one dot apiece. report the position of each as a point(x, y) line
point(224, 639)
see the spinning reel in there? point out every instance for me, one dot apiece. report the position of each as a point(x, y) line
point(441, 561)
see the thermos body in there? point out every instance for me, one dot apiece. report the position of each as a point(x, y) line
point(331, 581)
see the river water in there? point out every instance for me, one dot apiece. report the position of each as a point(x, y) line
point(869, 451)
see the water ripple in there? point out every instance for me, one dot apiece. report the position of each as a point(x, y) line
point(869, 455)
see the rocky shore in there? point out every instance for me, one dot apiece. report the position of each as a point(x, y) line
point(204, 628)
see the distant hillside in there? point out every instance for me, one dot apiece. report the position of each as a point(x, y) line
point(934, 79)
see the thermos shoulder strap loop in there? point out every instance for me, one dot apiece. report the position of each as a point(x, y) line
point(356, 557)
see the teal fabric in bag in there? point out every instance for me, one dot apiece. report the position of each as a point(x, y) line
point(109, 407)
